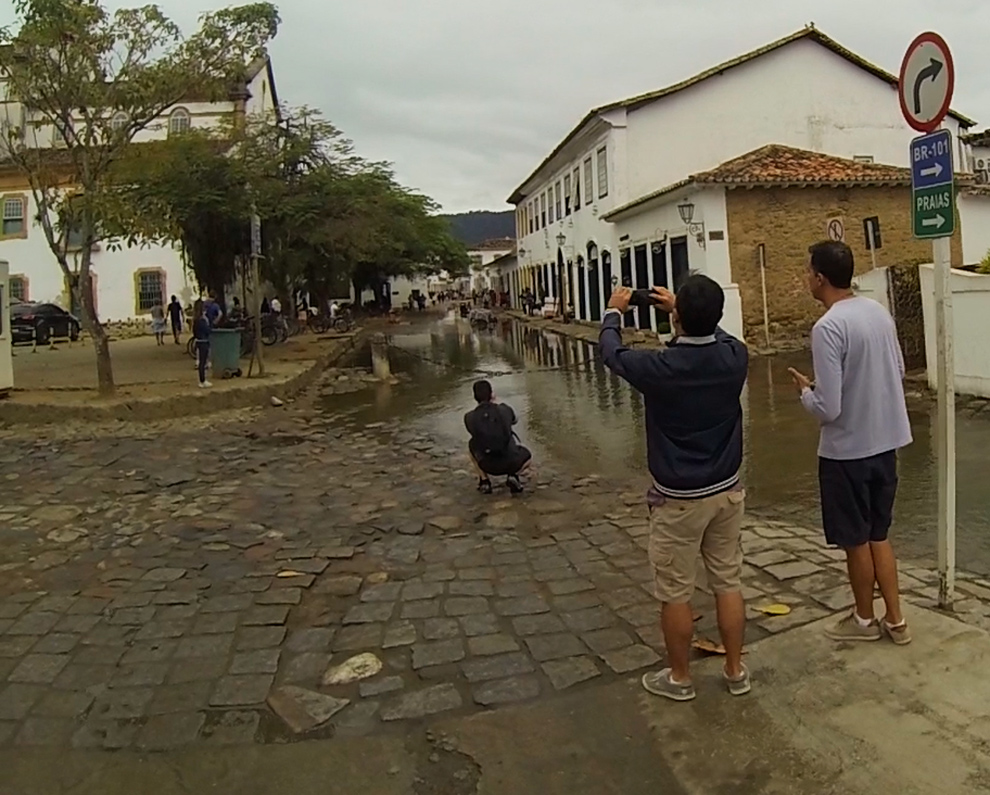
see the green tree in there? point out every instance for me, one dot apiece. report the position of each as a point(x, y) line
point(97, 79)
point(187, 191)
point(405, 236)
point(328, 215)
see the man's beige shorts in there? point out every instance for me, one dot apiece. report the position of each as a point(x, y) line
point(681, 529)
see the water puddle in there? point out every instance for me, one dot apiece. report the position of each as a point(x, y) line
point(572, 409)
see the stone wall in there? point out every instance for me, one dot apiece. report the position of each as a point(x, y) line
point(787, 221)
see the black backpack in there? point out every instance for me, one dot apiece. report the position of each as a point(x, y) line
point(492, 430)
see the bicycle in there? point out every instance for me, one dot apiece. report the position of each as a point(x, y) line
point(271, 333)
point(343, 322)
point(293, 327)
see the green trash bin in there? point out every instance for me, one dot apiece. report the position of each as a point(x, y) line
point(225, 351)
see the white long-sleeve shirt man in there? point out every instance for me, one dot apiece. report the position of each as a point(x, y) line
point(858, 397)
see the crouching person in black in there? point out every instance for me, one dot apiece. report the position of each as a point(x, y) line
point(494, 446)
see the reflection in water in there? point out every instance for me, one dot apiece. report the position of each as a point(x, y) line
point(571, 408)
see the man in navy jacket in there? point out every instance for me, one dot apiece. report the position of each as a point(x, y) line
point(694, 444)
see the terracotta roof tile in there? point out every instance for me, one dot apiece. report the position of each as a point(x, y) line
point(495, 244)
point(778, 165)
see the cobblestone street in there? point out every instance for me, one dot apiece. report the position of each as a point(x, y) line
point(207, 583)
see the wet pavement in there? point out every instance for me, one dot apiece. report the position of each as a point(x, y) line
point(207, 582)
point(554, 383)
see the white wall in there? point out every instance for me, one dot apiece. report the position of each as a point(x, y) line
point(402, 288)
point(800, 95)
point(971, 307)
point(114, 270)
point(584, 225)
point(260, 90)
point(488, 255)
point(873, 284)
point(974, 218)
point(712, 259)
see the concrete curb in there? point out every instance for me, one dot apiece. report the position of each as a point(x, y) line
point(203, 402)
point(587, 331)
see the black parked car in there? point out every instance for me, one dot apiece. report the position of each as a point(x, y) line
point(30, 321)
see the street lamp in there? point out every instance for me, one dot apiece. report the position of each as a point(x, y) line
point(564, 267)
point(686, 210)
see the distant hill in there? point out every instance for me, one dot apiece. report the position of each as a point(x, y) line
point(479, 225)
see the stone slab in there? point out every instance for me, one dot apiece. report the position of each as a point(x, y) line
point(570, 671)
point(506, 691)
point(304, 710)
point(421, 703)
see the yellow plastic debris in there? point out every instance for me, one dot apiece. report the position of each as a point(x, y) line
point(774, 610)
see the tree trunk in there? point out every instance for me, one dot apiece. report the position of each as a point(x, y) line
point(101, 341)
point(84, 288)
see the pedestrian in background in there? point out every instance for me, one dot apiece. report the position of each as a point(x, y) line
point(212, 309)
point(858, 399)
point(201, 333)
point(694, 441)
point(158, 324)
point(176, 317)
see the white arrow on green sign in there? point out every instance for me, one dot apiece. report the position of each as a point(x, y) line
point(934, 213)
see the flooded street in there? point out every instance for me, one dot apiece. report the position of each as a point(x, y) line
point(573, 411)
point(337, 578)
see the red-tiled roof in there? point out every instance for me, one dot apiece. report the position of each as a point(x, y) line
point(495, 244)
point(776, 165)
point(809, 33)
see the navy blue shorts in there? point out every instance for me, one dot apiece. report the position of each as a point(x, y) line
point(857, 498)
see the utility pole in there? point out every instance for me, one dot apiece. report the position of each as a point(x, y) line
point(257, 355)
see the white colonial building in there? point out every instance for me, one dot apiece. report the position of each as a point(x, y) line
point(614, 201)
point(483, 256)
point(126, 283)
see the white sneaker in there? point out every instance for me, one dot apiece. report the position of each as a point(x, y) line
point(205, 385)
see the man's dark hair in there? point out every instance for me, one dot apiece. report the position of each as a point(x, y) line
point(700, 302)
point(482, 391)
point(833, 259)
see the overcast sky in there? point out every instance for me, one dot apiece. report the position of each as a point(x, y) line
point(465, 97)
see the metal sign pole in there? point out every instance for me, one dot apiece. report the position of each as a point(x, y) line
point(763, 286)
point(946, 431)
point(925, 86)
